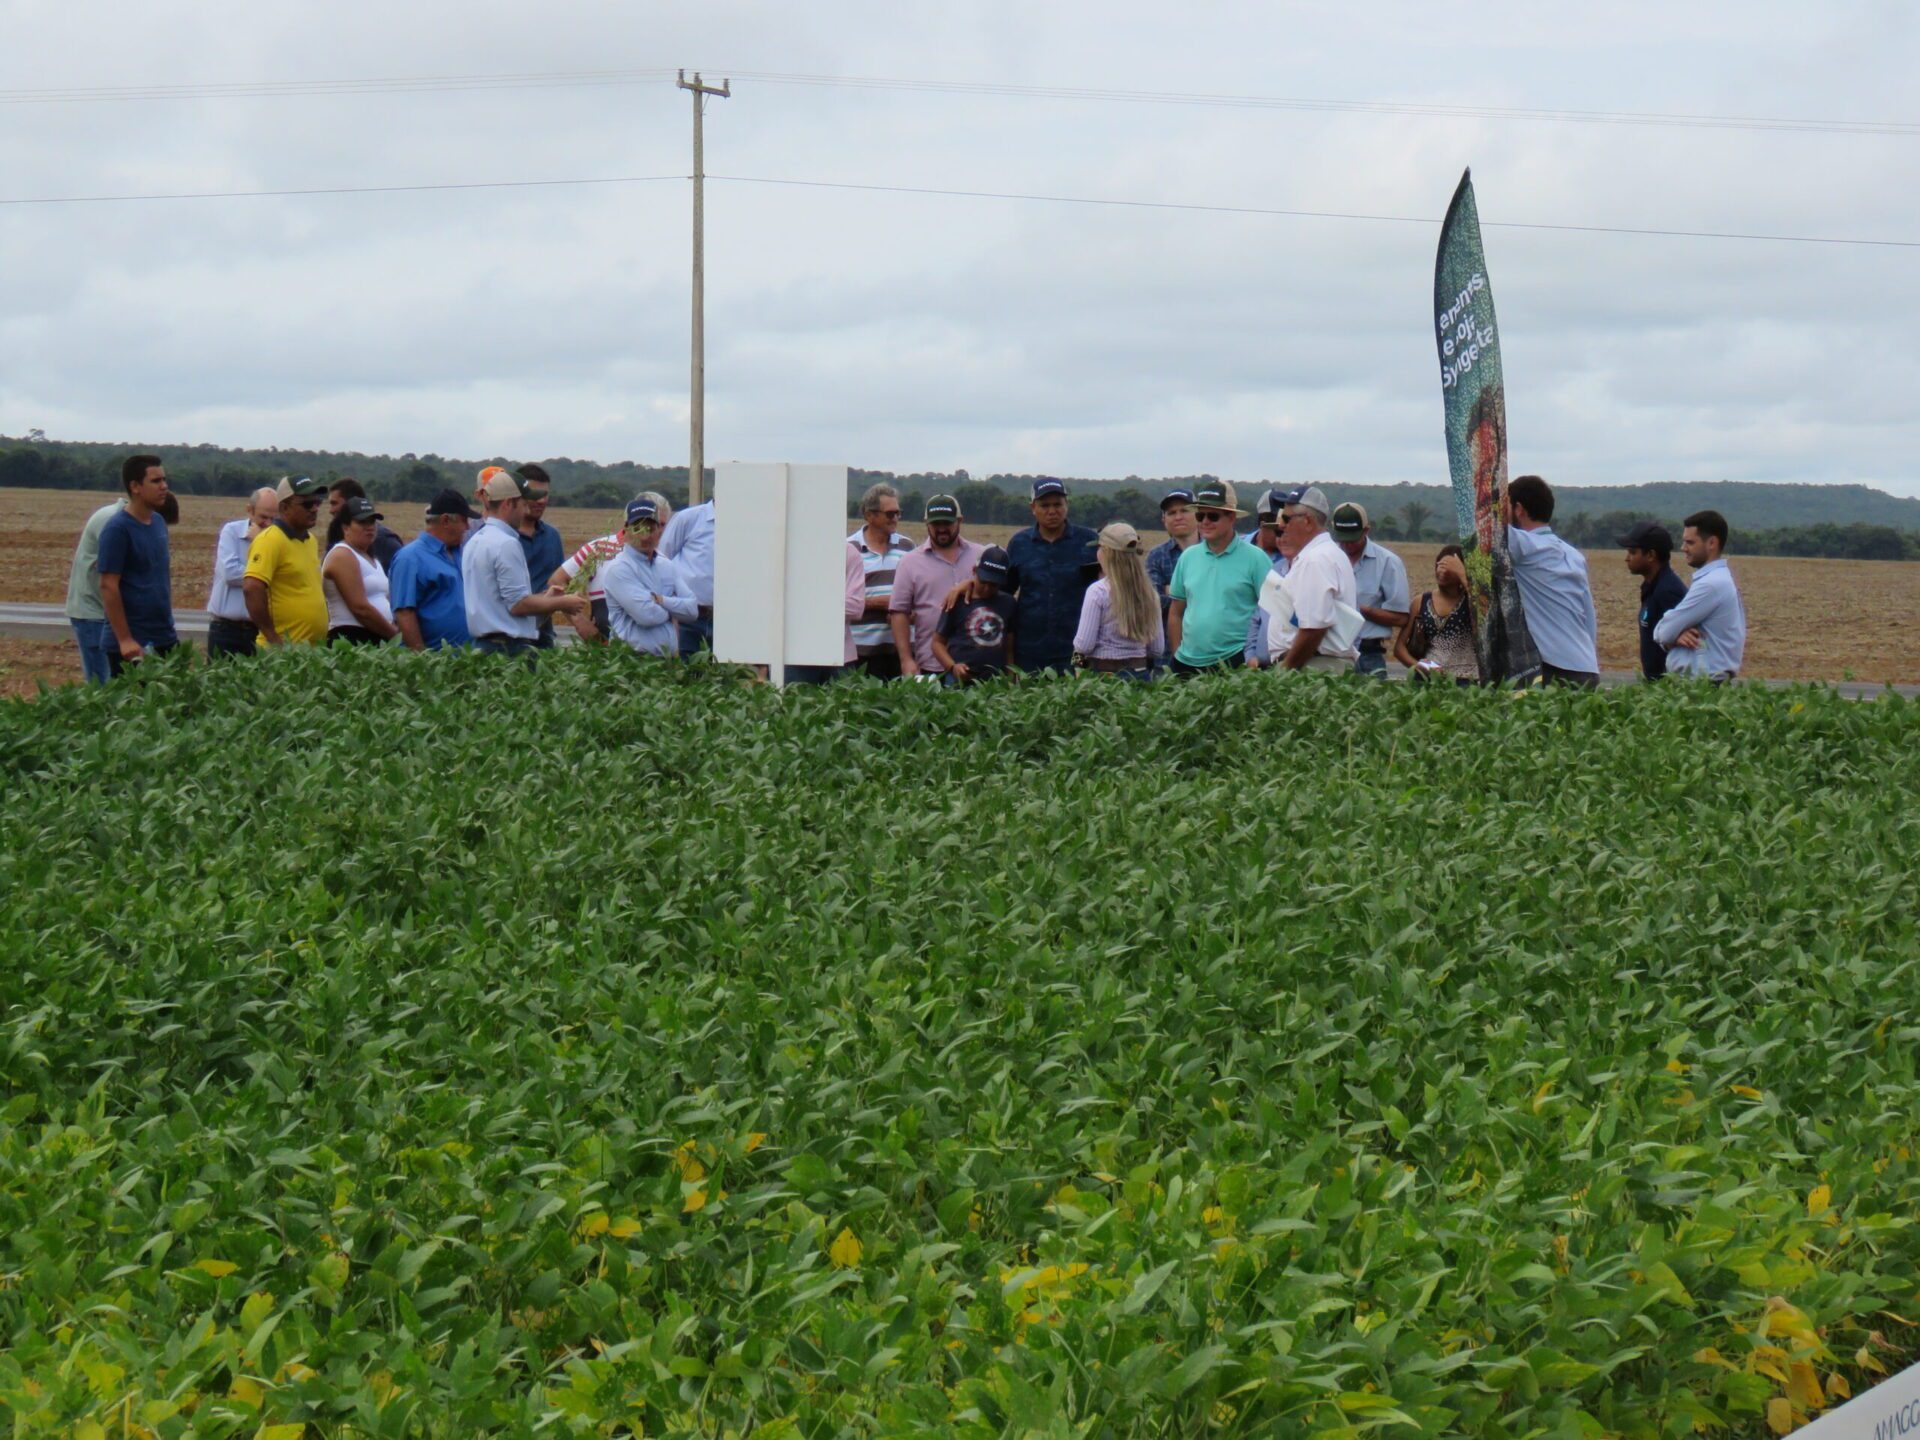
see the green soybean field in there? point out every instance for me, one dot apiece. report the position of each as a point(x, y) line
point(427, 1046)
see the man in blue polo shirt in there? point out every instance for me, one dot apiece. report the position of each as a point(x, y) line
point(429, 604)
point(1052, 564)
point(1379, 585)
point(539, 540)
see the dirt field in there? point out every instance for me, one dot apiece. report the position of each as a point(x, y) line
point(1807, 619)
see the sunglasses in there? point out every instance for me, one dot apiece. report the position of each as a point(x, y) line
point(1205, 515)
point(888, 514)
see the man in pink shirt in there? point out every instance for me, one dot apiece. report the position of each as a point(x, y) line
point(922, 581)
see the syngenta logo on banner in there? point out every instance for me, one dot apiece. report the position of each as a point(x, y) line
point(1465, 345)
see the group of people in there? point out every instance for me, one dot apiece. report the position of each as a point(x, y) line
point(1306, 589)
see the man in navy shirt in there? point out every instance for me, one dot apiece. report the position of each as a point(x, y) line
point(136, 568)
point(1650, 556)
point(538, 539)
point(1051, 564)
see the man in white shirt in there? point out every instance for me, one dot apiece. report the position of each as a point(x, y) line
point(1321, 580)
point(688, 542)
point(230, 631)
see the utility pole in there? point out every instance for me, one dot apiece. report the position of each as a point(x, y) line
point(697, 443)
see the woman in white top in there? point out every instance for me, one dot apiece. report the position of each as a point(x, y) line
point(358, 610)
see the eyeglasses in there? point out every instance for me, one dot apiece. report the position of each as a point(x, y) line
point(1205, 515)
point(1286, 520)
point(888, 514)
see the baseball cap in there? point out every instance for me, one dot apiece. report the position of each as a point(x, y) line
point(499, 483)
point(993, 566)
point(1120, 536)
point(1047, 486)
point(1311, 497)
point(302, 486)
point(1217, 495)
point(638, 510)
point(1350, 520)
point(1269, 507)
point(1179, 495)
point(449, 502)
point(1649, 535)
point(359, 507)
point(942, 508)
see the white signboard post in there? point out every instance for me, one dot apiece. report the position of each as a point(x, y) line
point(1889, 1411)
point(779, 565)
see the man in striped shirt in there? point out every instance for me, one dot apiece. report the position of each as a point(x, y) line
point(880, 545)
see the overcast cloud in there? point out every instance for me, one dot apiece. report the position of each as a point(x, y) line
point(923, 332)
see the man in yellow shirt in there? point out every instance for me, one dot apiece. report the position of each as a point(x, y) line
point(282, 584)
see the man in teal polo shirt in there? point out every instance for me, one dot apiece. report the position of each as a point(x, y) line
point(1215, 589)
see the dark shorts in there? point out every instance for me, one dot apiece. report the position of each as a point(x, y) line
point(1183, 671)
point(231, 637)
point(882, 663)
point(1576, 679)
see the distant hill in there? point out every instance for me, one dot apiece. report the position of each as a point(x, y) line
point(1854, 521)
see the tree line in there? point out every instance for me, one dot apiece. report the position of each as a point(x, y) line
point(1000, 499)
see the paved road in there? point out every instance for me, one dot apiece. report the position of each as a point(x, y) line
point(49, 622)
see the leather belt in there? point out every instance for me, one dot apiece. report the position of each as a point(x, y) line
point(1114, 667)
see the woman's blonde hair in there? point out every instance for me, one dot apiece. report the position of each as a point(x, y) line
point(1123, 560)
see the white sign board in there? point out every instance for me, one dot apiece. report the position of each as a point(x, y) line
point(1889, 1411)
point(779, 565)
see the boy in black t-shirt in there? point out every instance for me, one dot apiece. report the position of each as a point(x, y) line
point(975, 638)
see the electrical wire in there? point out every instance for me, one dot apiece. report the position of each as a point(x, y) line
point(1665, 232)
point(587, 79)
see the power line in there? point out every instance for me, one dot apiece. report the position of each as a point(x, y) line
point(335, 190)
point(959, 194)
point(587, 79)
point(1320, 214)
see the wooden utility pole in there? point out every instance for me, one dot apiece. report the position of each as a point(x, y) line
point(697, 410)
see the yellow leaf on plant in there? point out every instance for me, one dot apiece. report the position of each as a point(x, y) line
point(690, 1166)
point(755, 1141)
point(1709, 1355)
point(1748, 1091)
point(1540, 1096)
point(1867, 1360)
point(595, 1224)
point(89, 1430)
point(216, 1268)
point(1803, 1387)
point(1779, 1416)
point(248, 1392)
point(622, 1229)
point(1838, 1387)
point(280, 1432)
point(845, 1251)
point(696, 1201)
point(1819, 1200)
point(1783, 1318)
point(1674, 1067)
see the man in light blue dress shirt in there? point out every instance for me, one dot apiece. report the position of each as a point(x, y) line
point(646, 595)
point(1554, 591)
point(1706, 633)
point(688, 542)
point(503, 609)
point(229, 629)
point(1380, 582)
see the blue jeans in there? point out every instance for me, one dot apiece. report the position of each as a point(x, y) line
point(98, 649)
point(1371, 662)
point(695, 636)
point(513, 646)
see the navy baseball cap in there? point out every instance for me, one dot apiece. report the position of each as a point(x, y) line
point(450, 502)
point(1648, 535)
point(993, 566)
point(1269, 507)
point(1047, 486)
point(638, 510)
point(1179, 495)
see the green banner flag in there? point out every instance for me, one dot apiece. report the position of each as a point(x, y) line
point(1476, 411)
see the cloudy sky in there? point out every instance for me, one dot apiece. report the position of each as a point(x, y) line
point(914, 331)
